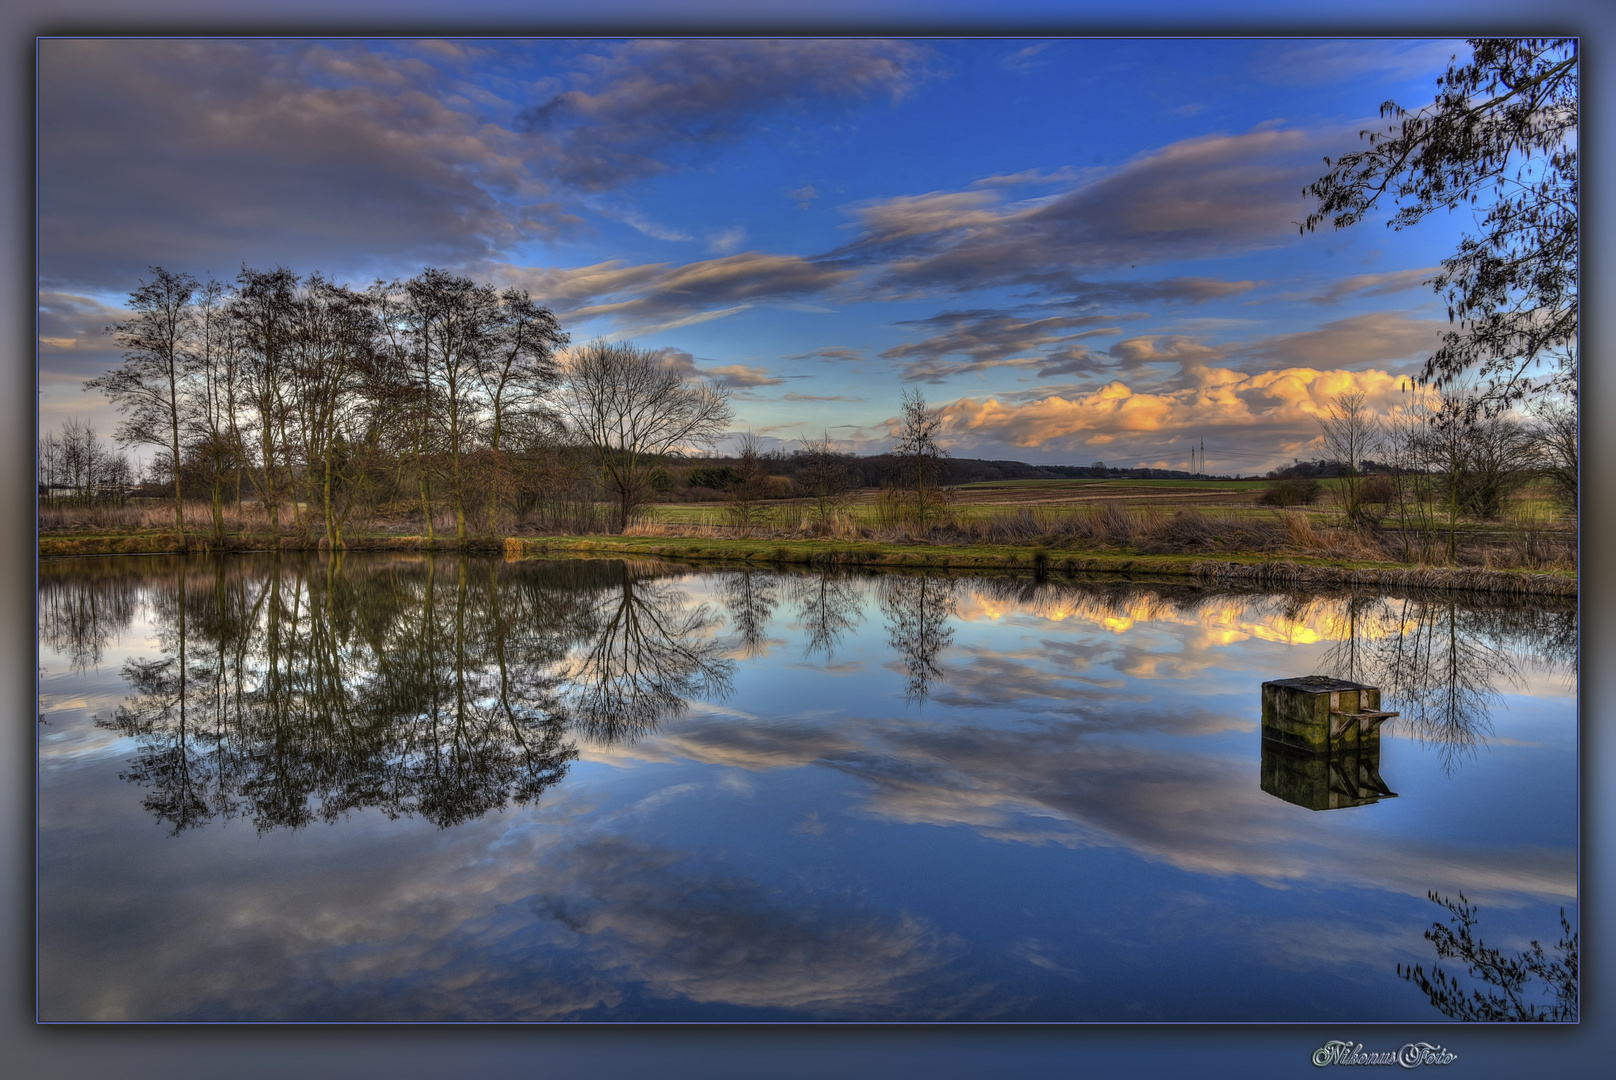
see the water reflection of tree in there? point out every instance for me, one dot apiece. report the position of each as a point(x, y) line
point(1441, 663)
point(303, 690)
point(1509, 978)
point(749, 598)
point(917, 609)
point(83, 604)
point(651, 654)
point(829, 604)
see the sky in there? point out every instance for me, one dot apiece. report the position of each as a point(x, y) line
point(1080, 250)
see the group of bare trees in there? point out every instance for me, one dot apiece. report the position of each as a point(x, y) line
point(77, 468)
point(438, 395)
point(1442, 458)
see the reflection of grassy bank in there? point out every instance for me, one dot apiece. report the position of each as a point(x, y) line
point(1266, 569)
point(1226, 569)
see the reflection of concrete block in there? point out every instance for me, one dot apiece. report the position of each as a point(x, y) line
point(1322, 781)
point(1321, 714)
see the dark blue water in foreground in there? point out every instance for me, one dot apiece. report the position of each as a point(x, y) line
point(397, 788)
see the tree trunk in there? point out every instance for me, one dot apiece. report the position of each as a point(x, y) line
point(218, 507)
point(333, 531)
point(179, 494)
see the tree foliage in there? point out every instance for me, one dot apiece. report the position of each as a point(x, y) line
point(1510, 974)
point(1500, 138)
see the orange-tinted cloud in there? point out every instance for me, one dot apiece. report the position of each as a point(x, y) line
point(1273, 413)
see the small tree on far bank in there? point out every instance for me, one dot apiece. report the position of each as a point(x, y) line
point(1350, 435)
point(825, 477)
point(632, 410)
point(1559, 445)
point(749, 487)
point(1499, 452)
point(920, 457)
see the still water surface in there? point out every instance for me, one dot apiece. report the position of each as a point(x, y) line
point(412, 788)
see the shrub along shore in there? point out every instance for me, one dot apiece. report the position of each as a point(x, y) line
point(1225, 569)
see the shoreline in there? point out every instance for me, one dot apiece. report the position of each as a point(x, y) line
point(1227, 569)
point(1222, 569)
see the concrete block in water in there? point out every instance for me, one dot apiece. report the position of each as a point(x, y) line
point(1320, 714)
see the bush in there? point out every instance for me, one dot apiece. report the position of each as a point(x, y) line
point(1291, 491)
point(717, 477)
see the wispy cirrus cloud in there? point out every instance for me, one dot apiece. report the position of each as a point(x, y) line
point(834, 353)
point(1309, 63)
point(656, 295)
point(635, 105)
point(725, 241)
point(988, 339)
point(72, 323)
point(366, 157)
point(1383, 284)
point(733, 376)
point(200, 154)
point(1373, 338)
point(1208, 196)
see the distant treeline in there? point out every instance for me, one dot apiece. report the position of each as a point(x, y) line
point(793, 470)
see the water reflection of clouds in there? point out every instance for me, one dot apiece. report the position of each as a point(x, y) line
point(1224, 622)
point(1058, 783)
point(998, 679)
point(501, 922)
point(1040, 729)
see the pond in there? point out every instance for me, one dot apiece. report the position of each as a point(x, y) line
point(401, 787)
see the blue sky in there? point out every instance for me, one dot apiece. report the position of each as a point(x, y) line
point(1080, 249)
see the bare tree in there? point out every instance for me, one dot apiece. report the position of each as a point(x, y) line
point(825, 477)
point(400, 379)
point(76, 461)
point(453, 322)
point(149, 389)
point(920, 458)
point(1350, 434)
point(335, 335)
point(749, 487)
point(518, 370)
point(213, 437)
point(1446, 438)
point(49, 465)
point(1409, 451)
point(1498, 451)
point(262, 311)
point(632, 410)
point(1559, 445)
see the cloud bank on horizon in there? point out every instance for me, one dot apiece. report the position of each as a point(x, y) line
point(1082, 249)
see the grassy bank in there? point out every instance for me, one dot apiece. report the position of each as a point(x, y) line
point(1229, 569)
point(1226, 568)
point(160, 543)
point(1211, 530)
